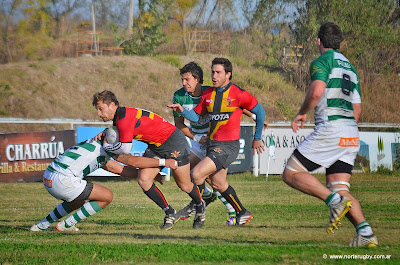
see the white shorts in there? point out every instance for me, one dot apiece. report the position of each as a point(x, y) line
point(328, 144)
point(198, 150)
point(63, 187)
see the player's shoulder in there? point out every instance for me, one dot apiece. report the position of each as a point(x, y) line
point(204, 88)
point(238, 87)
point(125, 114)
point(327, 57)
point(180, 92)
point(208, 90)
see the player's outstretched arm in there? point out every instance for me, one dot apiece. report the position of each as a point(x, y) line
point(127, 171)
point(145, 162)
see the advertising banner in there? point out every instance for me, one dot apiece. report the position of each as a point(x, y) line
point(244, 160)
point(376, 149)
point(285, 141)
point(380, 148)
point(25, 156)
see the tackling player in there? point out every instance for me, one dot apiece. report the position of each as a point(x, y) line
point(224, 102)
point(335, 96)
point(164, 141)
point(64, 180)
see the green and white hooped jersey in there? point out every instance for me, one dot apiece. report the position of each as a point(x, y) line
point(188, 102)
point(342, 89)
point(81, 159)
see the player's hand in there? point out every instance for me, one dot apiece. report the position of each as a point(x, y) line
point(177, 107)
point(295, 123)
point(258, 146)
point(160, 178)
point(203, 140)
point(171, 163)
point(99, 136)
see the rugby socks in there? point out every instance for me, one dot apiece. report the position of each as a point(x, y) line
point(207, 193)
point(59, 212)
point(333, 198)
point(231, 197)
point(88, 209)
point(195, 195)
point(156, 195)
point(202, 187)
point(364, 229)
point(229, 208)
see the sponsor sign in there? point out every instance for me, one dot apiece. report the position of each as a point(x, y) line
point(25, 156)
point(380, 148)
point(285, 142)
point(376, 149)
point(244, 160)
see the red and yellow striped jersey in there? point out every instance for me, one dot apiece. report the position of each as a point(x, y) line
point(225, 109)
point(142, 125)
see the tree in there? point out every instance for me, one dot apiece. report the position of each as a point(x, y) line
point(370, 29)
point(147, 32)
point(60, 9)
point(180, 10)
point(8, 10)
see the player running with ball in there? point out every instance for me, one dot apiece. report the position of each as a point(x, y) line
point(164, 141)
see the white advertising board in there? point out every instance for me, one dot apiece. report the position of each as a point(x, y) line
point(376, 149)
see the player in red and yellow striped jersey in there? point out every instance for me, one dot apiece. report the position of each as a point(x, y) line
point(164, 141)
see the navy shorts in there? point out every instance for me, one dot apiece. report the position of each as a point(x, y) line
point(175, 147)
point(223, 153)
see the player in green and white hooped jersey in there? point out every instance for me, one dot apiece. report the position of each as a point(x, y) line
point(64, 180)
point(335, 96)
point(188, 97)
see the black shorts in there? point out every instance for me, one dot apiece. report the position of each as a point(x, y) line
point(223, 153)
point(175, 147)
point(85, 193)
point(337, 167)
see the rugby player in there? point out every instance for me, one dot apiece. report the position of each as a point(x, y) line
point(164, 141)
point(224, 102)
point(189, 96)
point(335, 96)
point(64, 180)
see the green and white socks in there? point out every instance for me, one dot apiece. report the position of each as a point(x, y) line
point(229, 208)
point(87, 210)
point(59, 212)
point(208, 193)
point(364, 229)
point(333, 198)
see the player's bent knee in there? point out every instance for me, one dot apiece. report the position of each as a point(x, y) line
point(110, 196)
point(186, 187)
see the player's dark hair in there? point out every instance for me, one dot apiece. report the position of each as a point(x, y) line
point(226, 63)
point(330, 35)
point(194, 69)
point(106, 96)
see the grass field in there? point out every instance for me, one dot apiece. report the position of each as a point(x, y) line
point(288, 227)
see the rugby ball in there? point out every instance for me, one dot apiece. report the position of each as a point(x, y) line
point(112, 135)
